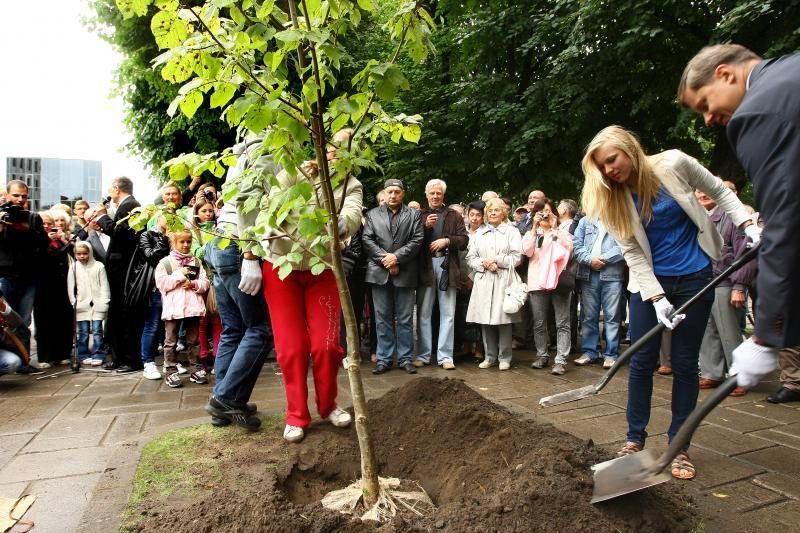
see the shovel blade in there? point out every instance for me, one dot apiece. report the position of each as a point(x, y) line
point(569, 396)
point(625, 475)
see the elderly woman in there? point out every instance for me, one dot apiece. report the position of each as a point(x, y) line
point(549, 249)
point(493, 253)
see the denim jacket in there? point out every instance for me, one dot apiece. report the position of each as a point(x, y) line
point(585, 235)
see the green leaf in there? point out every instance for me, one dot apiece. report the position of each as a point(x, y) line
point(177, 69)
point(284, 271)
point(266, 9)
point(294, 257)
point(386, 89)
point(129, 8)
point(190, 103)
point(223, 92)
point(318, 269)
point(208, 67)
point(412, 133)
point(224, 243)
point(367, 5)
point(310, 227)
point(237, 16)
point(169, 30)
point(290, 36)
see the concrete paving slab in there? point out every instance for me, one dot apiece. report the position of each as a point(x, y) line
point(132, 403)
point(786, 485)
point(163, 418)
point(714, 469)
point(726, 441)
point(26, 415)
point(60, 502)
point(778, 413)
point(125, 428)
point(612, 428)
point(13, 491)
point(780, 459)
point(63, 434)
point(55, 464)
point(10, 445)
point(779, 437)
point(79, 407)
point(738, 420)
point(744, 496)
point(776, 517)
point(590, 412)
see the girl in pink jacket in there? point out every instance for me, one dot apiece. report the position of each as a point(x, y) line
point(182, 282)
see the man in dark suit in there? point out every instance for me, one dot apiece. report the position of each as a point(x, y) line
point(392, 239)
point(758, 102)
point(125, 325)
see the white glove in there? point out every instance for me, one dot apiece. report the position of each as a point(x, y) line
point(753, 233)
point(663, 310)
point(251, 277)
point(752, 362)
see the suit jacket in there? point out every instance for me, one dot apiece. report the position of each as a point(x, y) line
point(765, 132)
point(100, 253)
point(453, 229)
point(405, 242)
point(123, 241)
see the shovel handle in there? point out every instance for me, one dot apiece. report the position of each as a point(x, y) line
point(742, 260)
point(688, 427)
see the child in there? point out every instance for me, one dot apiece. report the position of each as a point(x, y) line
point(205, 222)
point(93, 296)
point(182, 283)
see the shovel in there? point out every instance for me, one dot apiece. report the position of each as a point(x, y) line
point(591, 390)
point(642, 469)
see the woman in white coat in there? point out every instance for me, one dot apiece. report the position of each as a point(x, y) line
point(493, 254)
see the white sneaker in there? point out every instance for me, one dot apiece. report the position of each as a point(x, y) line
point(182, 369)
point(340, 418)
point(179, 347)
point(608, 362)
point(151, 371)
point(505, 366)
point(43, 366)
point(65, 362)
point(293, 433)
point(486, 364)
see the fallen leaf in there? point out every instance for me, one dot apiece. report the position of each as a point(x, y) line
point(719, 495)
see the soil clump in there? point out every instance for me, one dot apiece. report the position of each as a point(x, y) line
point(484, 467)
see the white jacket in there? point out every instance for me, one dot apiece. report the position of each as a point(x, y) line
point(680, 175)
point(93, 291)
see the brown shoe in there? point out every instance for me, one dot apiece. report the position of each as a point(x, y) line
point(738, 391)
point(665, 370)
point(420, 364)
point(448, 365)
point(707, 383)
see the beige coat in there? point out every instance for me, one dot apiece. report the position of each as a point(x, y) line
point(504, 245)
point(680, 175)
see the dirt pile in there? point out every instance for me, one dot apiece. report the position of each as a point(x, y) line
point(485, 468)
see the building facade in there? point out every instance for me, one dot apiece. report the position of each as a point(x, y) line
point(53, 181)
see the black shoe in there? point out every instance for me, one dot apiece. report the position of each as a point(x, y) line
point(380, 368)
point(249, 408)
point(109, 365)
point(410, 368)
point(240, 416)
point(784, 395)
point(125, 369)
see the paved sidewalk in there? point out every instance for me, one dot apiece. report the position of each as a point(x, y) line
point(73, 441)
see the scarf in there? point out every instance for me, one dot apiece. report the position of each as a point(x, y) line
point(182, 259)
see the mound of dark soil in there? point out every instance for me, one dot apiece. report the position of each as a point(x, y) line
point(485, 468)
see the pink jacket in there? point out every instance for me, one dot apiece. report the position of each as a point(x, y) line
point(546, 263)
point(179, 302)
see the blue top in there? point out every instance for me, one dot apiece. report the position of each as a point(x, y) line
point(673, 238)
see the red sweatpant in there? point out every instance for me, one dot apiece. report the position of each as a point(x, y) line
point(305, 312)
point(216, 330)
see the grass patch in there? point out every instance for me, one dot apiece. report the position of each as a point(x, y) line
point(182, 462)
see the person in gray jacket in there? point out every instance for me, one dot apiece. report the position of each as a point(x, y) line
point(392, 239)
point(602, 274)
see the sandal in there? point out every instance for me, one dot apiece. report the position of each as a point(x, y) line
point(629, 448)
point(680, 464)
point(665, 370)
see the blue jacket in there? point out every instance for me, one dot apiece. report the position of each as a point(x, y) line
point(585, 235)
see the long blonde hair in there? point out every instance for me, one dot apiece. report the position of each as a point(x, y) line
point(607, 200)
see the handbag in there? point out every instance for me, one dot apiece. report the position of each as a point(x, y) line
point(211, 301)
point(515, 294)
point(568, 277)
point(139, 284)
point(444, 278)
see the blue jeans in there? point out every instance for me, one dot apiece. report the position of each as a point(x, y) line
point(9, 362)
point(686, 339)
point(597, 294)
point(95, 329)
point(152, 326)
point(426, 296)
point(394, 315)
point(246, 332)
point(19, 293)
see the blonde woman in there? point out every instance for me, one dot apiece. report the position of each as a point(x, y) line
point(494, 252)
point(648, 204)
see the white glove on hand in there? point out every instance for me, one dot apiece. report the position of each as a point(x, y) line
point(752, 362)
point(753, 233)
point(663, 310)
point(251, 277)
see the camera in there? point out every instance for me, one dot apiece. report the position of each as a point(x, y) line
point(209, 195)
point(11, 213)
point(193, 273)
point(545, 216)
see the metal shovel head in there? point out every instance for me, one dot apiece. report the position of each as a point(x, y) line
point(625, 475)
point(569, 396)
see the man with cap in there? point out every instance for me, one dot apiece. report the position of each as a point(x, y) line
point(392, 240)
point(439, 275)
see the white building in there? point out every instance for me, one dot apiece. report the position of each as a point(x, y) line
point(54, 181)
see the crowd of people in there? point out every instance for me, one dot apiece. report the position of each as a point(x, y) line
point(432, 283)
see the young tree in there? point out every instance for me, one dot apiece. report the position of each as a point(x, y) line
point(268, 66)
